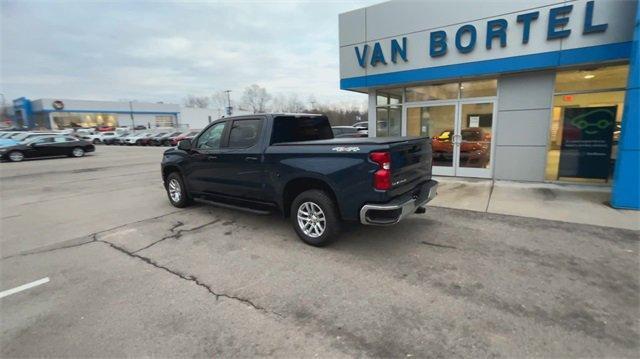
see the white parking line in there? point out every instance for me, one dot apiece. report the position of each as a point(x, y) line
point(23, 287)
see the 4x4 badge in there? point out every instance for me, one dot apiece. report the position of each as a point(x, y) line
point(346, 149)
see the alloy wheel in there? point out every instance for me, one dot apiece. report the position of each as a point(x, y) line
point(16, 156)
point(311, 219)
point(78, 152)
point(175, 191)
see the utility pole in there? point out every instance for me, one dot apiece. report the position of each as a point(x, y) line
point(133, 123)
point(229, 109)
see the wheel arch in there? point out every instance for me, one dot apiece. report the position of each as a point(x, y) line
point(301, 184)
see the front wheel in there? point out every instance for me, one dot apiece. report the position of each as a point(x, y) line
point(176, 191)
point(315, 218)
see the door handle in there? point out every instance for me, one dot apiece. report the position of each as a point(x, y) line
point(212, 157)
point(250, 158)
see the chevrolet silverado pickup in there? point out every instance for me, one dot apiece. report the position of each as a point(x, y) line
point(291, 163)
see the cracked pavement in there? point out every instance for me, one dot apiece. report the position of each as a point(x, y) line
point(133, 276)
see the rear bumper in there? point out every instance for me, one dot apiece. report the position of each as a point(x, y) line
point(393, 212)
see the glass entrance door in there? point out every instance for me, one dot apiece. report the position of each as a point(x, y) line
point(475, 124)
point(461, 136)
point(437, 122)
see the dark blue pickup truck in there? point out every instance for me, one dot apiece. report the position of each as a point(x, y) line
point(291, 163)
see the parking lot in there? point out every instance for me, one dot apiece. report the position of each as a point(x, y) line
point(130, 275)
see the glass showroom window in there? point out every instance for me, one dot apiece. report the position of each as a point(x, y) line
point(84, 120)
point(165, 121)
point(389, 113)
point(452, 91)
point(585, 124)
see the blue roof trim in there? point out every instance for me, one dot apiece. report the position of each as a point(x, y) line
point(110, 111)
point(544, 60)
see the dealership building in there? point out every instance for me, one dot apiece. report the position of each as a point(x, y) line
point(58, 114)
point(535, 90)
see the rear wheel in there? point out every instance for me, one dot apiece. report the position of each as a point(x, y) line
point(77, 152)
point(16, 156)
point(96, 141)
point(315, 218)
point(176, 191)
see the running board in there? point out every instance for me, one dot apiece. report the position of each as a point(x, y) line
point(231, 206)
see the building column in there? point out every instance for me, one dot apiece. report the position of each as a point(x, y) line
point(371, 113)
point(626, 185)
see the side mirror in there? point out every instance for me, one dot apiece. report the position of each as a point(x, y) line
point(184, 145)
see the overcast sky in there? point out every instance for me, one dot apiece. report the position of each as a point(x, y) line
point(162, 51)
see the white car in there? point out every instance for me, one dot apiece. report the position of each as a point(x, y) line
point(107, 135)
point(135, 138)
point(99, 137)
point(361, 126)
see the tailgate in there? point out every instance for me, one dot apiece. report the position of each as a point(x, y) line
point(410, 164)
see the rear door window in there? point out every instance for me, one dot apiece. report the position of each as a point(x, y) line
point(300, 128)
point(244, 133)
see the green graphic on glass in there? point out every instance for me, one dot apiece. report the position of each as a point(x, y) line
point(585, 122)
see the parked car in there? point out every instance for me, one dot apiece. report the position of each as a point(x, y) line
point(346, 131)
point(188, 135)
point(292, 163)
point(105, 136)
point(46, 146)
point(163, 140)
point(93, 138)
point(115, 139)
point(363, 125)
point(105, 128)
point(148, 141)
point(136, 138)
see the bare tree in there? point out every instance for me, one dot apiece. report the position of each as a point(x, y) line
point(196, 101)
point(312, 101)
point(256, 98)
point(294, 105)
point(287, 103)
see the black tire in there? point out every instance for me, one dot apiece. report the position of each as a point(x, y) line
point(328, 208)
point(166, 143)
point(96, 141)
point(184, 199)
point(15, 156)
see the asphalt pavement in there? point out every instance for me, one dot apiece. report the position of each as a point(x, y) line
point(130, 275)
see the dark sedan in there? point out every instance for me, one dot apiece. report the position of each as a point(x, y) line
point(163, 139)
point(49, 146)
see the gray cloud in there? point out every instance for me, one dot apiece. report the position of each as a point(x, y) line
point(161, 51)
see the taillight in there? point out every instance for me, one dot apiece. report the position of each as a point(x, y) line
point(382, 177)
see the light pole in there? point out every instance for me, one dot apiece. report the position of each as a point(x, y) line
point(229, 109)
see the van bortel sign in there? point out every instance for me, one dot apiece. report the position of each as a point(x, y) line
point(496, 30)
